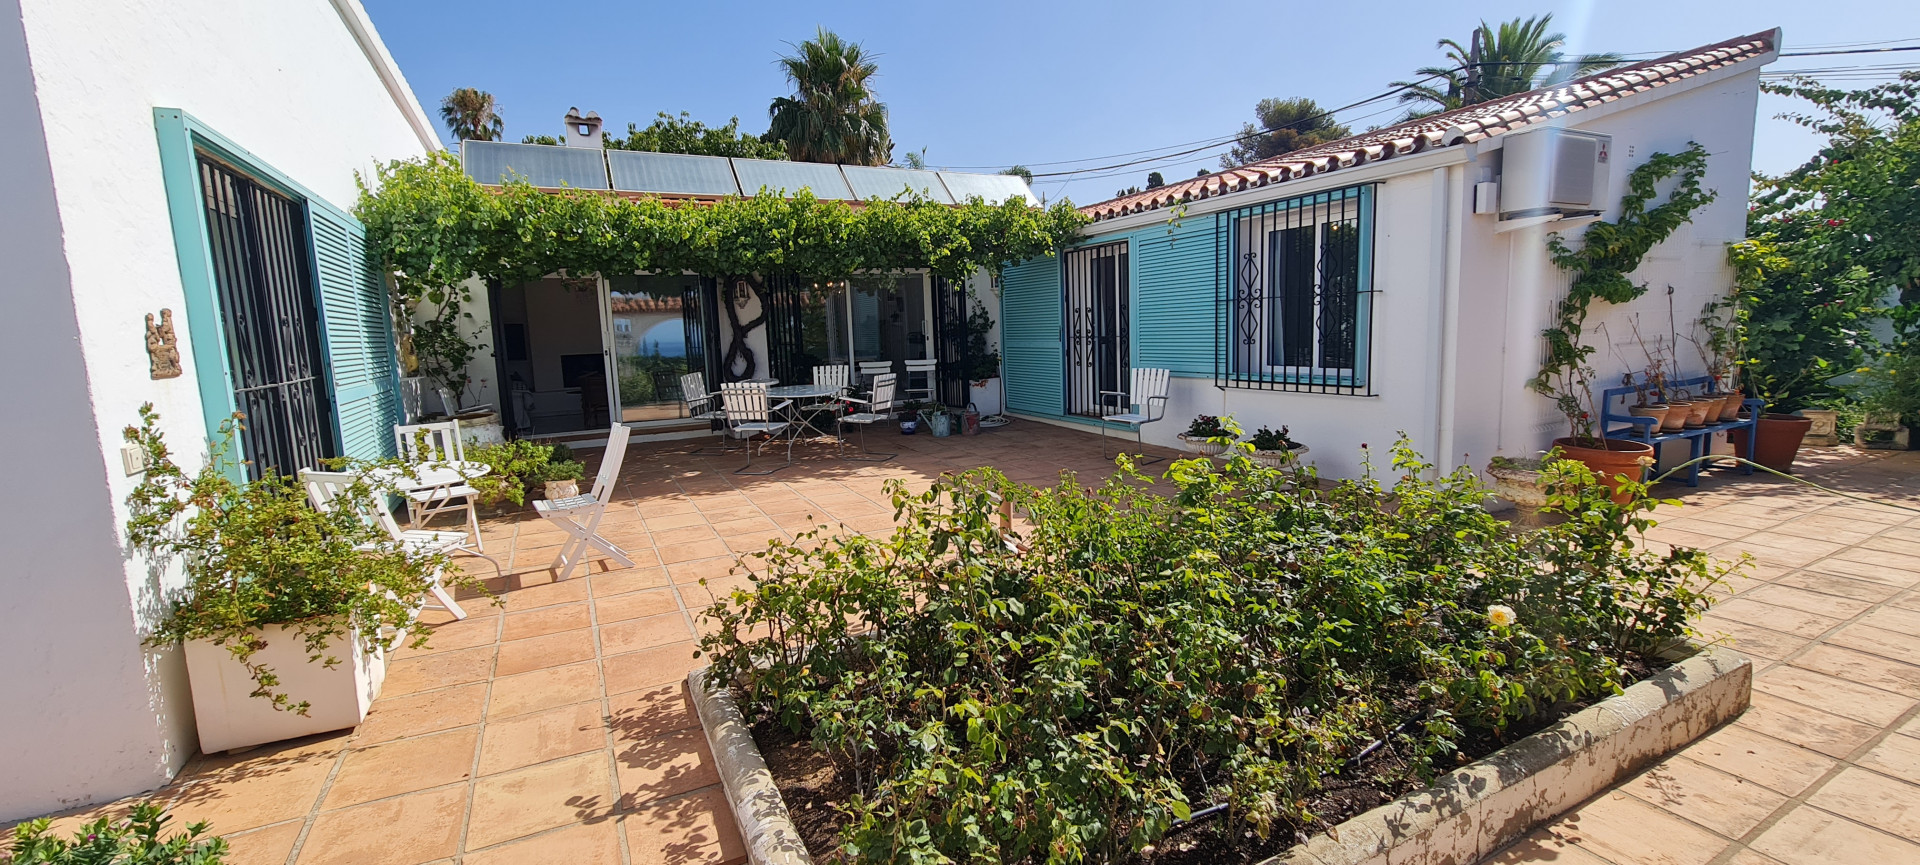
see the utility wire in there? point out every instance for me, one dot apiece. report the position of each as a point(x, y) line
point(1851, 51)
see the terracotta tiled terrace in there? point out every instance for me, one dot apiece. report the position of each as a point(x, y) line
point(556, 728)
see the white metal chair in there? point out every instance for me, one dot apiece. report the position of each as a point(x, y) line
point(702, 405)
point(579, 516)
point(922, 389)
point(325, 489)
point(834, 376)
point(871, 369)
point(751, 412)
point(1149, 394)
point(437, 443)
point(879, 409)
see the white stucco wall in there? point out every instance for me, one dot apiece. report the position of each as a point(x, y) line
point(89, 714)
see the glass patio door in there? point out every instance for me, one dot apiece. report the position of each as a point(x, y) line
point(646, 336)
point(892, 319)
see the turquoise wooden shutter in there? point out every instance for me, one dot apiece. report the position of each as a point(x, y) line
point(1173, 303)
point(358, 334)
point(1030, 328)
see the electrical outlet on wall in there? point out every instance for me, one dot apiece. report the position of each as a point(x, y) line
point(133, 458)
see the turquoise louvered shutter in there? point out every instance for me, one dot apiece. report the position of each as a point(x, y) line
point(1173, 297)
point(358, 334)
point(1030, 330)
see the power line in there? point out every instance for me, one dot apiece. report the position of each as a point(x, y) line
point(1851, 51)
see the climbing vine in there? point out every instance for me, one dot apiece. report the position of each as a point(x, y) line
point(1601, 268)
point(434, 228)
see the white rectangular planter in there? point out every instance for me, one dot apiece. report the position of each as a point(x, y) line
point(228, 718)
point(985, 397)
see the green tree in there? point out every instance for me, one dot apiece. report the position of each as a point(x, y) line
point(548, 140)
point(832, 115)
point(1515, 57)
point(1020, 171)
point(683, 134)
point(471, 113)
point(915, 159)
point(1154, 180)
point(1285, 125)
point(1832, 243)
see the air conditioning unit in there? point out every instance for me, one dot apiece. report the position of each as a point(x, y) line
point(1554, 171)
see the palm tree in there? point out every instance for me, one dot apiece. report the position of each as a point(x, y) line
point(1286, 125)
point(471, 113)
point(832, 115)
point(1518, 56)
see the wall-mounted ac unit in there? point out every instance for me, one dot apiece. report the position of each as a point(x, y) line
point(1554, 171)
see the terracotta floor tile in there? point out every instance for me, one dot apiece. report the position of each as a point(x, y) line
point(1542, 848)
point(687, 552)
point(698, 827)
point(425, 827)
point(1781, 767)
point(662, 522)
point(1783, 619)
point(695, 571)
point(1841, 697)
point(635, 605)
point(582, 844)
point(1846, 587)
point(539, 653)
point(629, 580)
point(1809, 836)
point(1616, 827)
point(566, 591)
point(1725, 803)
point(684, 535)
point(544, 689)
point(1884, 803)
point(466, 634)
point(1752, 639)
point(1892, 545)
point(632, 635)
point(545, 620)
point(1788, 721)
point(1749, 857)
point(1898, 756)
point(519, 803)
point(1812, 602)
point(649, 667)
point(1866, 669)
point(1893, 619)
point(403, 766)
point(266, 846)
point(663, 766)
point(652, 712)
point(438, 671)
point(413, 714)
point(1864, 571)
point(1893, 561)
point(541, 736)
point(268, 785)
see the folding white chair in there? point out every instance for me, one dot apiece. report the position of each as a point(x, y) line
point(922, 380)
point(702, 405)
point(1149, 394)
point(750, 412)
point(579, 516)
point(879, 409)
point(835, 376)
point(325, 490)
point(437, 443)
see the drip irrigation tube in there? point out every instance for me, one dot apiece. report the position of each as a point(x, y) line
point(1798, 480)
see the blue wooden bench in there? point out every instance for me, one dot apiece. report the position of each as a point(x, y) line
point(1617, 423)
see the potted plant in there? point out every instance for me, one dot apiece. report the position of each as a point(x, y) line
point(1275, 449)
point(1521, 480)
point(983, 363)
point(287, 611)
point(1648, 402)
point(1613, 460)
point(910, 417)
point(561, 477)
point(513, 467)
point(1208, 436)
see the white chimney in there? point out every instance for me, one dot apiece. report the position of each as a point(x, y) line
point(583, 131)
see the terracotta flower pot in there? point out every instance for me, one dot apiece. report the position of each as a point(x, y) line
point(1676, 419)
point(1657, 412)
point(1618, 457)
point(1697, 412)
point(1730, 410)
point(1778, 440)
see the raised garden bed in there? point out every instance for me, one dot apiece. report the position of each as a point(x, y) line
point(1093, 684)
point(784, 795)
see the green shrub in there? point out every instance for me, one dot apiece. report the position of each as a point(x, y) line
point(1066, 692)
point(135, 840)
point(515, 465)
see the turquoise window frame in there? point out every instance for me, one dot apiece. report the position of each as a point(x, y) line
point(181, 138)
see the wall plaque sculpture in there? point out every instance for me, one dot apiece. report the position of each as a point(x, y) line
point(163, 348)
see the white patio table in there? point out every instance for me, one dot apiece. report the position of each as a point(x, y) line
point(437, 478)
point(798, 393)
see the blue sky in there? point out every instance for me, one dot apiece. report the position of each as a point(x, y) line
point(988, 83)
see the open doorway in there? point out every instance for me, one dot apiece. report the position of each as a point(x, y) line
point(892, 319)
point(647, 329)
point(553, 356)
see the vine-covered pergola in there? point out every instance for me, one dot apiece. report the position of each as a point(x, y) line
point(434, 228)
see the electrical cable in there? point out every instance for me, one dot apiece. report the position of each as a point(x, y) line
point(1798, 480)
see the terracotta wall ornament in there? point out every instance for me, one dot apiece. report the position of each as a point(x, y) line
point(163, 348)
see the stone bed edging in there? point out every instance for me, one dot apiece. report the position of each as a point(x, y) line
point(1464, 817)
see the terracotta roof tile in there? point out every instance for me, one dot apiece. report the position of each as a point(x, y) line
point(1469, 124)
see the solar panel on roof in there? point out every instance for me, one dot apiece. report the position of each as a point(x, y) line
point(995, 188)
point(895, 183)
point(492, 162)
point(671, 174)
point(824, 180)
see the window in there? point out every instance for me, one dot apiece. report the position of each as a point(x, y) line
point(1098, 351)
point(1295, 295)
